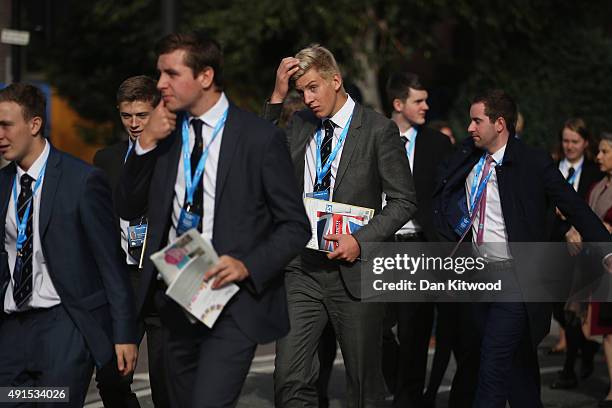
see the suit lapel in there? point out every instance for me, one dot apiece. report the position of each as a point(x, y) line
point(6, 185)
point(229, 141)
point(298, 153)
point(352, 138)
point(53, 173)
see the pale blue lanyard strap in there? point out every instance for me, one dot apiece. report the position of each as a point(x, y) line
point(478, 188)
point(321, 172)
point(129, 150)
point(191, 184)
point(22, 223)
point(411, 144)
point(576, 172)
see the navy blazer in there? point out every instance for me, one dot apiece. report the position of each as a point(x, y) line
point(259, 215)
point(530, 184)
point(79, 243)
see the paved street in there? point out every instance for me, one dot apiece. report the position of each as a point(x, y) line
point(257, 392)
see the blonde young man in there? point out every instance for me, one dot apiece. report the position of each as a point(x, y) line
point(364, 157)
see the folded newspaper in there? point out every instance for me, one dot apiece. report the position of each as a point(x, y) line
point(328, 217)
point(182, 265)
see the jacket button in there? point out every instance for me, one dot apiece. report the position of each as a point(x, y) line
point(444, 181)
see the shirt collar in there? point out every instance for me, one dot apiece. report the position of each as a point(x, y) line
point(37, 166)
point(341, 117)
point(498, 156)
point(410, 133)
point(566, 164)
point(212, 116)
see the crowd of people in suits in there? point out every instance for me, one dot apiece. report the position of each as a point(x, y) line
point(79, 290)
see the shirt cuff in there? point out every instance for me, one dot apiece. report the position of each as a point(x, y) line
point(139, 149)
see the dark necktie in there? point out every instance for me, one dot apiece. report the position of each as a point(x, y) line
point(196, 154)
point(326, 148)
point(570, 173)
point(22, 277)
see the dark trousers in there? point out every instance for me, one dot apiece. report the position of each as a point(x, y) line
point(206, 368)
point(447, 332)
point(315, 296)
point(43, 348)
point(115, 390)
point(414, 324)
point(508, 362)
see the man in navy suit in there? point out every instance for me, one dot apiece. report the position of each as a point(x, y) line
point(66, 298)
point(497, 355)
point(246, 202)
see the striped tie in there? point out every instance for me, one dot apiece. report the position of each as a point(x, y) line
point(22, 274)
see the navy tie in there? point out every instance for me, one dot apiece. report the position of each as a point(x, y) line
point(196, 154)
point(326, 148)
point(22, 276)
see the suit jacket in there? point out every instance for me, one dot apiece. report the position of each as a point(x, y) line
point(590, 174)
point(111, 159)
point(259, 215)
point(431, 148)
point(79, 243)
point(529, 184)
point(373, 161)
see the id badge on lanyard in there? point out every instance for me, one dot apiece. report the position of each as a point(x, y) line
point(189, 219)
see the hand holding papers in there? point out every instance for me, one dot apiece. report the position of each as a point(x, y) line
point(330, 220)
point(182, 265)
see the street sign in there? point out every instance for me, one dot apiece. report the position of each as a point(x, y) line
point(15, 37)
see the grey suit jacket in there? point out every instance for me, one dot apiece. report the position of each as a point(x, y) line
point(373, 161)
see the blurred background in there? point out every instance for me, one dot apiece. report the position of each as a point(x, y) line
point(553, 56)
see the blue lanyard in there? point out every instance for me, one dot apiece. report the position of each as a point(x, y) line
point(22, 223)
point(129, 150)
point(322, 171)
point(191, 184)
point(478, 188)
point(411, 144)
point(576, 172)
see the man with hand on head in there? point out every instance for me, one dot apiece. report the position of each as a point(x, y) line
point(66, 299)
point(201, 162)
point(362, 157)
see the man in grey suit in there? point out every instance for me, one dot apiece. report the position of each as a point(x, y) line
point(359, 157)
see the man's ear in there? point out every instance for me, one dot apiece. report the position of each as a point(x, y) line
point(35, 125)
point(500, 124)
point(336, 81)
point(398, 105)
point(206, 77)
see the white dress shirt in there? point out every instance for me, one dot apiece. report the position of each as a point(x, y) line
point(44, 294)
point(340, 120)
point(210, 119)
point(564, 166)
point(412, 226)
point(494, 234)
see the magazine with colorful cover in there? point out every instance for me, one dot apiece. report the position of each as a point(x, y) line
point(328, 217)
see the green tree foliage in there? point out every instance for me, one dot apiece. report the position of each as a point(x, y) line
point(554, 56)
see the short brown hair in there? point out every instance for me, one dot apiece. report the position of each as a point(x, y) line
point(31, 99)
point(201, 52)
point(140, 88)
point(498, 104)
point(399, 85)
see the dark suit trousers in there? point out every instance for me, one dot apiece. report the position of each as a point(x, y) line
point(508, 362)
point(206, 368)
point(316, 295)
point(43, 348)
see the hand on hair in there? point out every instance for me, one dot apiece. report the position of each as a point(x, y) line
point(288, 66)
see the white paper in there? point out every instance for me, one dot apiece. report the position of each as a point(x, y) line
point(182, 265)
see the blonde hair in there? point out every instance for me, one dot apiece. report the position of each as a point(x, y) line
point(318, 57)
